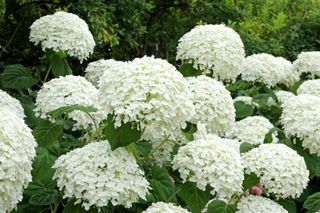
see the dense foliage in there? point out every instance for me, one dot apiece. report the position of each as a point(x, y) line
point(218, 120)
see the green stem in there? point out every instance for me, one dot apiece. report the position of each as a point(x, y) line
point(98, 131)
point(55, 208)
point(94, 122)
point(47, 74)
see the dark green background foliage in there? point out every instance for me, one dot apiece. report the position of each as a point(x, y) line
point(125, 29)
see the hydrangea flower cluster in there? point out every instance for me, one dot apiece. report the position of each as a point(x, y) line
point(210, 162)
point(251, 130)
point(213, 49)
point(300, 117)
point(161, 207)
point(269, 70)
point(96, 69)
point(308, 62)
point(282, 171)
point(149, 91)
point(66, 91)
point(311, 87)
point(17, 150)
point(10, 103)
point(213, 104)
point(247, 100)
point(258, 204)
point(95, 175)
point(63, 32)
point(282, 97)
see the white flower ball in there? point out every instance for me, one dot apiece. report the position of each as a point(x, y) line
point(308, 62)
point(161, 207)
point(10, 103)
point(211, 162)
point(213, 104)
point(213, 49)
point(311, 87)
point(258, 204)
point(95, 175)
point(282, 171)
point(247, 100)
point(269, 70)
point(283, 96)
point(17, 150)
point(251, 130)
point(301, 118)
point(96, 69)
point(66, 91)
point(149, 91)
point(63, 32)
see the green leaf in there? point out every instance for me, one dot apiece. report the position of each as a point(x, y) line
point(17, 76)
point(187, 70)
point(42, 166)
point(189, 131)
point(45, 198)
point(67, 109)
point(195, 198)
point(289, 205)
point(313, 202)
point(161, 184)
point(219, 206)
point(243, 110)
point(268, 136)
point(46, 133)
point(37, 187)
point(143, 147)
point(246, 147)
point(121, 136)
point(250, 180)
point(71, 208)
point(60, 66)
point(262, 99)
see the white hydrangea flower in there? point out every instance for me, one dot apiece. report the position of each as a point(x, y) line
point(211, 162)
point(215, 49)
point(247, 100)
point(63, 32)
point(95, 175)
point(251, 130)
point(66, 91)
point(270, 70)
point(308, 62)
point(301, 118)
point(282, 171)
point(149, 91)
point(258, 204)
point(96, 69)
point(283, 96)
point(311, 87)
point(213, 104)
point(161, 207)
point(17, 150)
point(203, 134)
point(12, 104)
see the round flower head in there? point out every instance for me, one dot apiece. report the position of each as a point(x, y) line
point(95, 175)
point(210, 162)
point(202, 133)
point(149, 92)
point(283, 96)
point(251, 130)
point(161, 207)
point(308, 62)
point(311, 87)
point(17, 150)
point(63, 32)
point(66, 91)
point(96, 69)
point(10, 103)
point(258, 204)
point(213, 104)
point(247, 100)
point(213, 49)
point(268, 70)
point(282, 171)
point(301, 118)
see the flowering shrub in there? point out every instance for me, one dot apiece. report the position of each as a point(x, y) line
point(218, 133)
